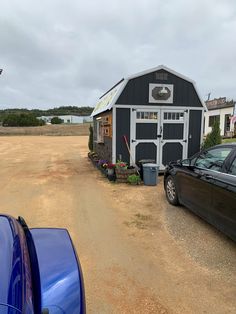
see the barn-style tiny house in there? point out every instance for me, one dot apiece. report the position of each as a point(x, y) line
point(160, 113)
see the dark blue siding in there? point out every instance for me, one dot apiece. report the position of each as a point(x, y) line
point(122, 128)
point(136, 91)
point(195, 122)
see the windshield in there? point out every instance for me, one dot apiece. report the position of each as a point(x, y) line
point(213, 158)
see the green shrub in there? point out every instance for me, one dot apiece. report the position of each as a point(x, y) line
point(90, 143)
point(214, 137)
point(23, 119)
point(56, 120)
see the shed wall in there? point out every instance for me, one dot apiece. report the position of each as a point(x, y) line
point(122, 128)
point(104, 150)
point(194, 135)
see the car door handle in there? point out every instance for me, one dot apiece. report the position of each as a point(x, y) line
point(203, 175)
point(208, 176)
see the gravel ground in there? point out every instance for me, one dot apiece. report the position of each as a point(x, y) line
point(205, 244)
point(138, 253)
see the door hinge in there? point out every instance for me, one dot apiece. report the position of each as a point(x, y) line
point(134, 109)
point(185, 141)
point(133, 141)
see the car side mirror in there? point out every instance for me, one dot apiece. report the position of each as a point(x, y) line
point(179, 162)
point(218, 163)
point(186, 162)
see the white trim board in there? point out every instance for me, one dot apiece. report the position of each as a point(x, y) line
point(156, 107)
point(114, 135)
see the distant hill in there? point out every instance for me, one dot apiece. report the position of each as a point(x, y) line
point(64, 110)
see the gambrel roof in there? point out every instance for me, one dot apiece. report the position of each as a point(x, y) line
point(107, 101)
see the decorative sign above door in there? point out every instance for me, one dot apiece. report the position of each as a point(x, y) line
point(161, 93)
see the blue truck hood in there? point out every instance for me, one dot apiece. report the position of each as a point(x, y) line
point(60, 275)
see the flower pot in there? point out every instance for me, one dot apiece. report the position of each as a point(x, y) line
point(122, 174)
point(110, 171)
point(111, 177)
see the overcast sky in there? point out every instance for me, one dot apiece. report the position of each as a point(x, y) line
point(69, 52)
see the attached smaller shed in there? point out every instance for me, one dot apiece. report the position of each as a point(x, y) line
point(160, 113)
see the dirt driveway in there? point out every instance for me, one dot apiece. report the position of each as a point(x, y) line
point(138, 254)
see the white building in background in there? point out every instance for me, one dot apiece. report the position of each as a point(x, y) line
point(70, 119)
point(221, 110)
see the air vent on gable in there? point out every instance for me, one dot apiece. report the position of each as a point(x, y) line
point(161, 93)
point(161, 76)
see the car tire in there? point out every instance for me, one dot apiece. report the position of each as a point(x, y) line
point(171, 191)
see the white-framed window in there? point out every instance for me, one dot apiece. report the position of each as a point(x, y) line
point(100, 135)
point(173, 116)
point(146, 115)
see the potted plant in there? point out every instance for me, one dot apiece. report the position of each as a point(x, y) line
point(134, 179)
point(91, 155)
point(101, 164)
point(110, 169)
point(104, 167)
point(123, 171)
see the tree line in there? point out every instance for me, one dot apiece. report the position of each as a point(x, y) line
point(63, 110)
point(28, 117)
point(22, 119)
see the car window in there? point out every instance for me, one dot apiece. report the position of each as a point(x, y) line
point(232, 169)
point(213, 158)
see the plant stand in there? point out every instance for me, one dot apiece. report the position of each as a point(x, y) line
point(122, 174)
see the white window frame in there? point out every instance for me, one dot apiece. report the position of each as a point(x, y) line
point(100, 135)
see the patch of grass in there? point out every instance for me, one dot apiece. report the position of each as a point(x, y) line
point(139, 222)
point(229, 140)
point(135, 223)
point(143, 217)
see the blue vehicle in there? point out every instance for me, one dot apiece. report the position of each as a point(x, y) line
point(39, 270)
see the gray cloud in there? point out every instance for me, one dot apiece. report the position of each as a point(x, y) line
point(70, 52)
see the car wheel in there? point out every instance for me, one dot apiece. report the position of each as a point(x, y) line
point(171, 192)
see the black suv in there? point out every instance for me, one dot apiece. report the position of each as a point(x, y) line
point(206, 184)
